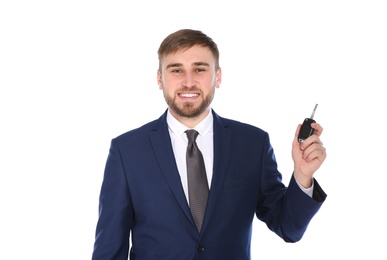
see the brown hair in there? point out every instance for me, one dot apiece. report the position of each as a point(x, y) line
point(185, 39)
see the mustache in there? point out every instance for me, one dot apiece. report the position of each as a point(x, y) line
point(186, 89)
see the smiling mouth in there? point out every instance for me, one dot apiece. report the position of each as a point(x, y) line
point(188, 95)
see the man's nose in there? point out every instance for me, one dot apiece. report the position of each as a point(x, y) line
point(189, 80)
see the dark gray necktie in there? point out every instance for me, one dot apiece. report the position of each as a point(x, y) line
point(197, 179)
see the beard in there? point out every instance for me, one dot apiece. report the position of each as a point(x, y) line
point(188, 109)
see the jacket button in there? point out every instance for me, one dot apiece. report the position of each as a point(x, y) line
point(200, 248)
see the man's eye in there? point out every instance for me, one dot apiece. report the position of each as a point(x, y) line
point(200, 70)
point(176, 71)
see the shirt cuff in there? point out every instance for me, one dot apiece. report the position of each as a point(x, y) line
point(308, 191)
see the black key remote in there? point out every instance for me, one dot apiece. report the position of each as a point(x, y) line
point(306, 130)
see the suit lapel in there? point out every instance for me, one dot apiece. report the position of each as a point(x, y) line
point(222, 150)
point(161, 143)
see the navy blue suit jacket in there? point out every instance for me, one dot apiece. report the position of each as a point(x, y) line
point(142, 198)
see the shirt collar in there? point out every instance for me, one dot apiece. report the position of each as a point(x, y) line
point(204, 127)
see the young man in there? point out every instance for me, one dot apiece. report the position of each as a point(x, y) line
point(146, 193)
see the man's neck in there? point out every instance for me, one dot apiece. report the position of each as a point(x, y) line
point(191, 122)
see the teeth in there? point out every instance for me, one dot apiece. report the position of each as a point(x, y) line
point(189, 95)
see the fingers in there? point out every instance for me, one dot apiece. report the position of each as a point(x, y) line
point(312, 147)
point(314, 151)
point(317, 128)
point(308, 155)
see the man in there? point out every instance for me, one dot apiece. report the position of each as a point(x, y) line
point(146, 192)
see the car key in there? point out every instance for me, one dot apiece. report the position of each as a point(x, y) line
point(306, 130)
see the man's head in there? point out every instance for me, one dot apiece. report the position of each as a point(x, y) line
point(188, 74)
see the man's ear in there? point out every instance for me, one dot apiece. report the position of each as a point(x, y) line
point(159, 79)
point(218, 78)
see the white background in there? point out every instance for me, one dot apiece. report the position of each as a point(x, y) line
point(75, 74)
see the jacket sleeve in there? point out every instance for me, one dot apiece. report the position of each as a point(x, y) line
point(115, 211)
point(287, 211)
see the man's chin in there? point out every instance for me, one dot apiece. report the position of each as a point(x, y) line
point(189, 112)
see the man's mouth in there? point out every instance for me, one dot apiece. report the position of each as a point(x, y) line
point(188, 95)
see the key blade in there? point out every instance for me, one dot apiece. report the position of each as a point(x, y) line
point(314, 110)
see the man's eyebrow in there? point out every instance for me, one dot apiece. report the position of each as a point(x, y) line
point(173, 65)
point(199, 63)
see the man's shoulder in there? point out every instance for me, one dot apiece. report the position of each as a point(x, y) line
point(238, 125)
point(143, 130)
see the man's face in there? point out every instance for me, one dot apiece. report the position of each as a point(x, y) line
point(188, 79)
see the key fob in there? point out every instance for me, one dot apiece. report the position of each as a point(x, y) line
point(306, 130)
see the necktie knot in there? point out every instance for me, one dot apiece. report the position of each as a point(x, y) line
point(192, 135)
